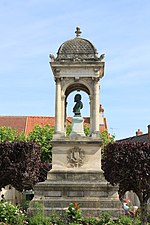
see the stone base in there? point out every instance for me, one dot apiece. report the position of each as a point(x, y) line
point(76, 153)
point(76, 176)
point(87, 188)
point(77, 126)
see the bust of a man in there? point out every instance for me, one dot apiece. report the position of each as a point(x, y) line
point(78, 105)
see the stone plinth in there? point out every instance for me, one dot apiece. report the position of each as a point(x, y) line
point(76, 153)
point(87, 188)
point(76, 176)
point(77, 126)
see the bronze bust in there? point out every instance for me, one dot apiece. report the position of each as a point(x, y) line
point(78, 105)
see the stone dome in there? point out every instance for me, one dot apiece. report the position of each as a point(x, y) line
point(77, 49)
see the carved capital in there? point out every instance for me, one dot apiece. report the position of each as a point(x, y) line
point(95, 79)
point(57, 80)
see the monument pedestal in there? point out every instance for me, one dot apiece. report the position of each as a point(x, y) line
point(77, 126)
point(87, 188)
point(76, 176)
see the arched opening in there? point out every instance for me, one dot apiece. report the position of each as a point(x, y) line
point(85, 112)
point(77, 87)
point(70, 92)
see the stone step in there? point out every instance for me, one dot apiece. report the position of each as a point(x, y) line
point(84, 202)
point(94, 195)
point(72, 183)
point(88, 212)
point(76, 176)
point(75, 185)
point(69, 189)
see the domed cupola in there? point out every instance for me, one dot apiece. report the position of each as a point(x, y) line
point(77, 49)
point(77, 67)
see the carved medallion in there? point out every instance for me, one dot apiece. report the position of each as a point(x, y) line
point(76, 157)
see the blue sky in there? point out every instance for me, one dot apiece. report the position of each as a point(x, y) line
point(32, 29)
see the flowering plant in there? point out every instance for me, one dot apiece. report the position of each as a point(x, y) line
point(74, 212)
point(10, 214)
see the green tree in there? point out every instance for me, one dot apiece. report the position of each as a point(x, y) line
point(11, 134)
point(68, 129)
point(42, 136)
point(86, 130)
point(127, 164)
point(106, 137)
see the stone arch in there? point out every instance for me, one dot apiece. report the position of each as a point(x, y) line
point(69, 86)
point(78, 86)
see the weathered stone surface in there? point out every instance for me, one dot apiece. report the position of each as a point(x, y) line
point(76, 153)
point(88, 188)
point(84, 183)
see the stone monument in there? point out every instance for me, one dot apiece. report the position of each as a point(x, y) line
point(76, 174)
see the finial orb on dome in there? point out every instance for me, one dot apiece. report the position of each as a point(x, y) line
point(78, 32)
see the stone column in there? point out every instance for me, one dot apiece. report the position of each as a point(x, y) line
point(96, 107)
point(63, 110)
point(58, 107)
point(91, 114)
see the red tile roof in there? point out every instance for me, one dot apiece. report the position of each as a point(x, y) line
point(17, 122)
point(27, 123)
point(32, 121)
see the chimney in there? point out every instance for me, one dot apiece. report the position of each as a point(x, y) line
point(101, 108)
point(148, 131)
point(139, 132)
point(101, 116)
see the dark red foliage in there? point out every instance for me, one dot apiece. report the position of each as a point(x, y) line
point(127, 164)
point(20, 165)
point(45, 167)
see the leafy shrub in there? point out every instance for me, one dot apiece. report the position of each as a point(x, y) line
point(24, 204)
point(148, 216)
point(57, 219)
point(42, 136)
point(106, 219)
point(124, 220)
point(39, 219)
point(74, 213)
point(90, 221)
point(11, 214)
